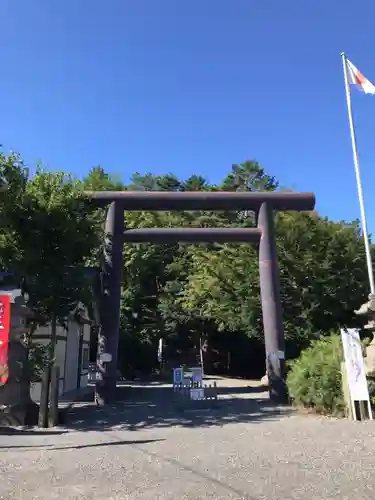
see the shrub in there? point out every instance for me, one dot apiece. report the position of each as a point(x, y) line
point(314, 379)
point(38, 361)
point(371, 391)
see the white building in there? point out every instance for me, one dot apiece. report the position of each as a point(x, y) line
point(72, 344)
point(72, 355)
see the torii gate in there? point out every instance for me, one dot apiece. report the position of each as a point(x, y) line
point(262, 203)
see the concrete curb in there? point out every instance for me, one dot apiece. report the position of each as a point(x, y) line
point(69, 399)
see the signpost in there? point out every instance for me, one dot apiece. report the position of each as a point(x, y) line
point(160, 351)
point(105, 357)
point(178, 376)
point(355, 370)
point(196, 375)
point(4, 337)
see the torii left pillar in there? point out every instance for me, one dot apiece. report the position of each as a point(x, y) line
point(110, 305)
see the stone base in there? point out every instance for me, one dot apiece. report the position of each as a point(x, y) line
point(19, 415)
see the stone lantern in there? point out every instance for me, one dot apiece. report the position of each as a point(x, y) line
point(368, 311)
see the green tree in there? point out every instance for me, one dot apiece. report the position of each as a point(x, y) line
point(249, 176)
point(55, 237)
point(99, 180)
point(195, 183)
point(11, 201)
point(322, 273)
point(143, 282)
point(46, 238)
point(151, 182)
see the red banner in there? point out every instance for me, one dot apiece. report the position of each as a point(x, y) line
point(4, 336)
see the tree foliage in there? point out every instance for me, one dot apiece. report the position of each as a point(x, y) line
point(59, 235)
point(47, 237)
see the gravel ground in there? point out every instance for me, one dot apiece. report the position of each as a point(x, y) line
point(149, 447)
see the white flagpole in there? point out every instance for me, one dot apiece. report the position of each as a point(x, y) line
point(358, 177)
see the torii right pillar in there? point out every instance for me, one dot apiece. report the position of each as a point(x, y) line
point(271, 306)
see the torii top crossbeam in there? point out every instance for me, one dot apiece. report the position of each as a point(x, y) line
point(202, 200)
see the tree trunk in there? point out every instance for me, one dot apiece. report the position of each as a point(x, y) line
point(53, 339)
point(45, 394)
point(100, 369)
point(206, 351)
point(99, 313)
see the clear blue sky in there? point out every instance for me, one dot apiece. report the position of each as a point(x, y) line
point(192, 87)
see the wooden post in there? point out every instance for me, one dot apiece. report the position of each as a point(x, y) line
point(355, 410)
point(363, 410)
point(201, 359)
point(43, 407)
point(346, 392)
point(53, 413)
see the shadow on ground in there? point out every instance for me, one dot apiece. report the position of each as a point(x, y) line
point(83, 446)
point(12, 431)
point(144, 407)
point(241, 390)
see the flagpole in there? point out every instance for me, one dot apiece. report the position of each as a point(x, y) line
point(358, 177)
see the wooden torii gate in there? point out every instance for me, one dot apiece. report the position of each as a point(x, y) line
point(262, 203)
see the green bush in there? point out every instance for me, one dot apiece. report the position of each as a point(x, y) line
point(314, 379)
point(38, 361)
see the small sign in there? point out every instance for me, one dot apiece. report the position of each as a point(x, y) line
point(196, 374)
point(178, 375)
point(105, 357)
point(196, 394)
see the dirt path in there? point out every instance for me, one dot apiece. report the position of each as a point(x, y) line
point(150, 446)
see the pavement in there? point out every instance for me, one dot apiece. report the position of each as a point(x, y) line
point(154, 445)
point(76, 395)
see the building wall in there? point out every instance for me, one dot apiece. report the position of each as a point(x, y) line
point(72, 374)
point(72, 353)
point(17, 319)
point(85, 358)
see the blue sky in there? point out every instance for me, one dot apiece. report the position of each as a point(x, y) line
point(192, 87)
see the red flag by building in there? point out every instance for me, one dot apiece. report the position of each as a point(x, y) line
point(4, 336)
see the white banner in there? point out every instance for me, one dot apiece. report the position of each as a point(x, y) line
point(354, 363)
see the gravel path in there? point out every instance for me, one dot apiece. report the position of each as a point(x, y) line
point(150, 447)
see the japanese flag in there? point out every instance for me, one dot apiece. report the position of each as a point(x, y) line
point(356, 78)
